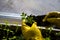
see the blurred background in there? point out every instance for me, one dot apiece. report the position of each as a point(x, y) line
point(36, 7)
point(14, 8)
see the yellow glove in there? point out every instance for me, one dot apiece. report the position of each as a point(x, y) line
point(31, 33)
point(53, 17)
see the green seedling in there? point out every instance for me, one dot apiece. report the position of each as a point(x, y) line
point(28, 19)
point(47, 38)
point(23, 15)
point(0, 26)
point(58, 33)
point(16, 26)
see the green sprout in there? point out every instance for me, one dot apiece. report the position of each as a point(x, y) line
point(23, 15)
point(16, 26)
point(6, 22)
point(28, 19)
point(50, 30)
point(0, 26)
point(58, 33)
point(47, 38)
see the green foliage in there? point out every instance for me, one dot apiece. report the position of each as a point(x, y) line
point(7, 30)
point(16, 26)
point(23, 15)
point(19, 38)
point(58, 34)
point(28, 19)
point(47, 38)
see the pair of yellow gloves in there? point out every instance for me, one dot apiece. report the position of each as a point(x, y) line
point(31, 33)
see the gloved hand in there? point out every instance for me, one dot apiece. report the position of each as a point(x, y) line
point(31, 33)
point(53, 17)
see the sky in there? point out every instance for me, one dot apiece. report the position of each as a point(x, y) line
point(35, 7)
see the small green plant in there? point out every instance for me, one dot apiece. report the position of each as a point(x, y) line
point(16, 26)
point(23, 15)
point(6, 29)
point(58, 33)
point(47, 38)
point(28, 19)
point(0, 26)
